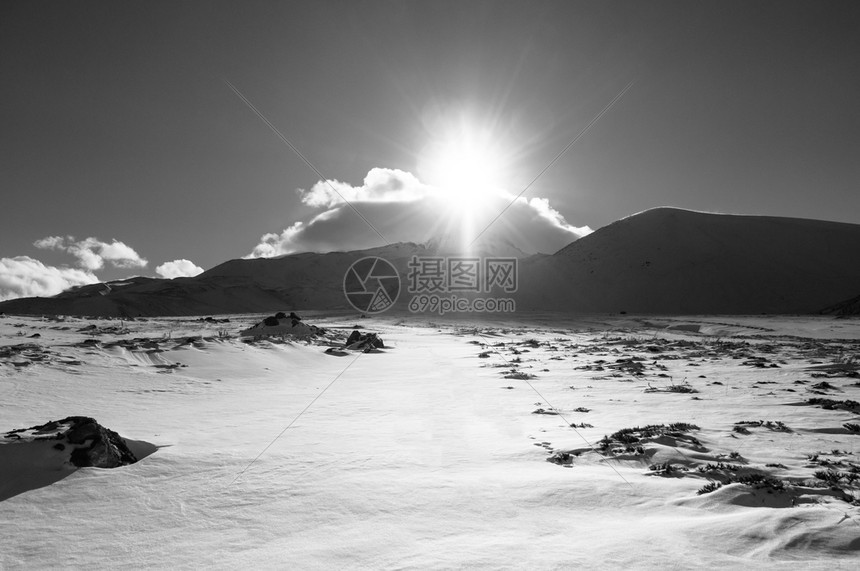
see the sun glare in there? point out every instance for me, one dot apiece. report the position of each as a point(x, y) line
point(467, 168)
point(465, 163)
point(462, 157)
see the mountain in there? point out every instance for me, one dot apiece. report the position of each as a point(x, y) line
point(844, 308)
point(668, 260)
point(664, 260)
point(297, 281)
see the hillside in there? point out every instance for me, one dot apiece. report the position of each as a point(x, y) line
point(663, 260)
point(668, 260)
point(298, 281)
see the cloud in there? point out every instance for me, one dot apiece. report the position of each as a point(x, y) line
point(23, 276)
point(272, 244)
point(380, 185)
point(50, 243)
point(178, 269)
point(92, 253)
point(401, 208)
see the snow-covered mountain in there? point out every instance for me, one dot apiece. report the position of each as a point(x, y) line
point(296, 281)
point(668, 260)
point(664, 260)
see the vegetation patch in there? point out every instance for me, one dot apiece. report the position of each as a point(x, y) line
point(708, 488)
point(626, 438)
point(755, 481)
point(519, 375)
point(743, 426)
point(833, 477)
point(759, 481)
point(683, 387)
point(823, 386)
point(563, 458)
point(718, 467)
point(667, 469)
point(830, 404)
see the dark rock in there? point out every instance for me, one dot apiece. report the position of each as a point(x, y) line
point(101, 447)
point(271, 321)
point(364, 341)
point(92, 444)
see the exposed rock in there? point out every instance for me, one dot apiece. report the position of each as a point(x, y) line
point(211, 319)
point(363, 341)
point(336, 352)
point(282, 324)
point(39, 456)
point(86, 442)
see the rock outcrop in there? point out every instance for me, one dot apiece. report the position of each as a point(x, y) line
point(83, 440)
point(282, 324)
point(39, 456)
point(359, 341)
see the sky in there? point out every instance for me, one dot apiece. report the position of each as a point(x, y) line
point(138, 138)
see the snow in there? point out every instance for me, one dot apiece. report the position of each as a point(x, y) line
point(419, 457)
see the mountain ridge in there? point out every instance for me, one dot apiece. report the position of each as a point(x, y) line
point(662, 260)
point(670, 260)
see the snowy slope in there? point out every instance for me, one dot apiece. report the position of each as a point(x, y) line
point(297, 281)
point(668, 260)
point(429, 454)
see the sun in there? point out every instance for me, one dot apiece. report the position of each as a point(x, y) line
point(465, 164)
point(467, 168)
